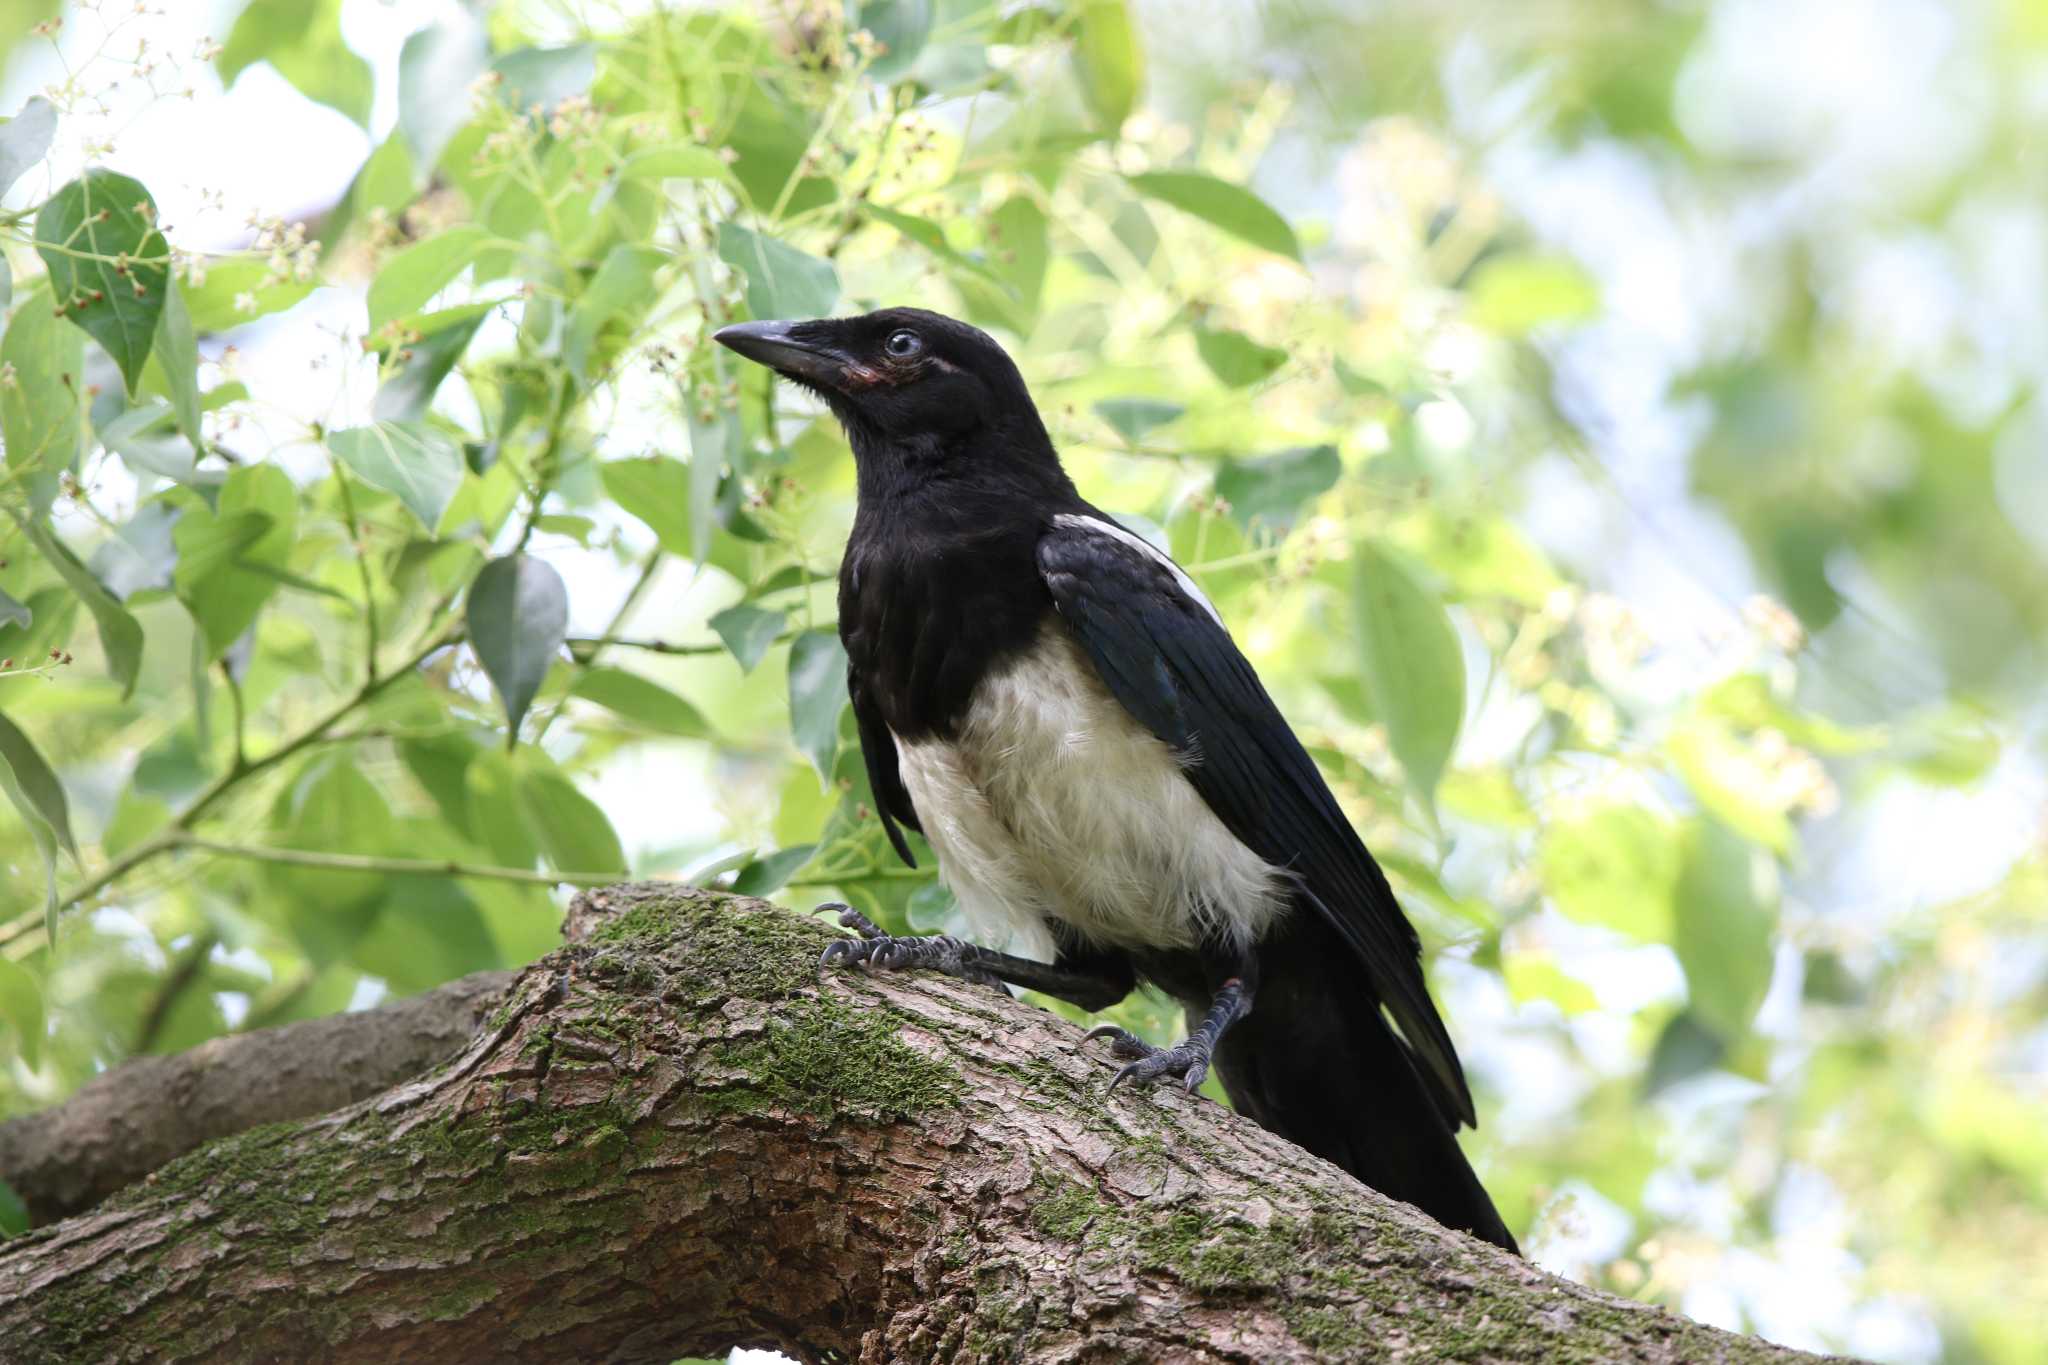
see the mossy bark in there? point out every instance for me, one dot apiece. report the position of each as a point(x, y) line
point(670, 1139)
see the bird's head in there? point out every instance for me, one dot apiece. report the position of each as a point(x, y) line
point(911, 387)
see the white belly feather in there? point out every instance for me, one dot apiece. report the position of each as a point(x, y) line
point(1053, 803)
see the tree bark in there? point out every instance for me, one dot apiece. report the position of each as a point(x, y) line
point(670, 1138)
point(139, 1116)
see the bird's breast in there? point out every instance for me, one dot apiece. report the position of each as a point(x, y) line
point(1048, 801)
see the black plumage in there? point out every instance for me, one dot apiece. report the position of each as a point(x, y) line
point(975, 569)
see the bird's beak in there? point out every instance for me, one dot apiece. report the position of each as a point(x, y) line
point(775, 345)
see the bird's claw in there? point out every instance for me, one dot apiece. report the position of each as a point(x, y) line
point(875, 950)
point(1144, 1062)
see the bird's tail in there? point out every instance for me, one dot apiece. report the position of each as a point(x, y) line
point(1316, 1062)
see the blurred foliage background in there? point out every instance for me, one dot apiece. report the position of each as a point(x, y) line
point(1613, 428)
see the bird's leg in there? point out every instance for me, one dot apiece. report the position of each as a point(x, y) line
point(970, 962)
point(1189, 1058)
point(898, 952)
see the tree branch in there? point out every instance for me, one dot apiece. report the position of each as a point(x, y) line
point(671, 1137)
point(142, 1115)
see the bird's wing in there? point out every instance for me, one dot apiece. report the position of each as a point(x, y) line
point(1165, 655)
point(878, 747)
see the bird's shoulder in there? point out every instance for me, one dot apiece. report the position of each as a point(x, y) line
point(1088, 552)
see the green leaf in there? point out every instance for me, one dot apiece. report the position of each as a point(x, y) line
point(931, 237)
point(544, 75)
point(331, 807)
point(674, 161)
point(782, 282)
point(440, 933)
point(406, 281)
point(641, 700)
point(25, 140)
point(1235, 358)
point(36, 793)
point(1615, 866)
point(1536, 976)
point(573, 830)
point(141, 553)
point(578, 529)
point(1727, 923)
point(237, 292)
point(42, 411)
point(1731, 780)
point(901, 27)
point(1686, 1048)
point(817, 693)
point(619, 295)
point(497, 817)
point(36, 782)
point(1272, 488)
point(1016, 256)
point(1413, 665)
point(765, 876)
point(120, 633)
point(518, 618)
point(713, 446)
point(419, 463)
point(931, 908)
point(302, 39)
point(387, 180)
point(1515, 295)
point(656, 489)
point(177, 352)
point(748, 632)
point(21, 1006)
point(1949, 747)
point(1133, 418)
point(109, 266)
point(1486, 796)
point(1233, 208)
point(435, 70)
point(1109, 61)
point(227, 557)
point(210, 544)
point(146, 439)
point(407, 395)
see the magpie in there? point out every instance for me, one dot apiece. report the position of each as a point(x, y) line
point(1112, 796)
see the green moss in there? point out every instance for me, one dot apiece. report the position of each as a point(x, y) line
point(1064, 1209)
point(818, 1056)
point(1329, 1331)
point(722, 945)
point(651, 914)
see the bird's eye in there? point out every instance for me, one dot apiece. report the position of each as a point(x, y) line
point(901, 344)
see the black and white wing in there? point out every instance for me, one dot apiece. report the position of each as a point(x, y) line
point(878, 749)
point(1165, 655)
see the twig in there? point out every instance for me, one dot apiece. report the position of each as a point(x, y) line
point(183, 974)
point(355, 535)
point(592, 644)
point(398, 867)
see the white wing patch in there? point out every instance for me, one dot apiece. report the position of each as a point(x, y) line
point(1097, 526)
point(1053, 803)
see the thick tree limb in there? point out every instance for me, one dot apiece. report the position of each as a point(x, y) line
point(139, 1116)
point(670, 1138)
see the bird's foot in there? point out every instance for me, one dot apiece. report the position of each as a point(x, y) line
point(1187, 1059)
point(875, 950)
